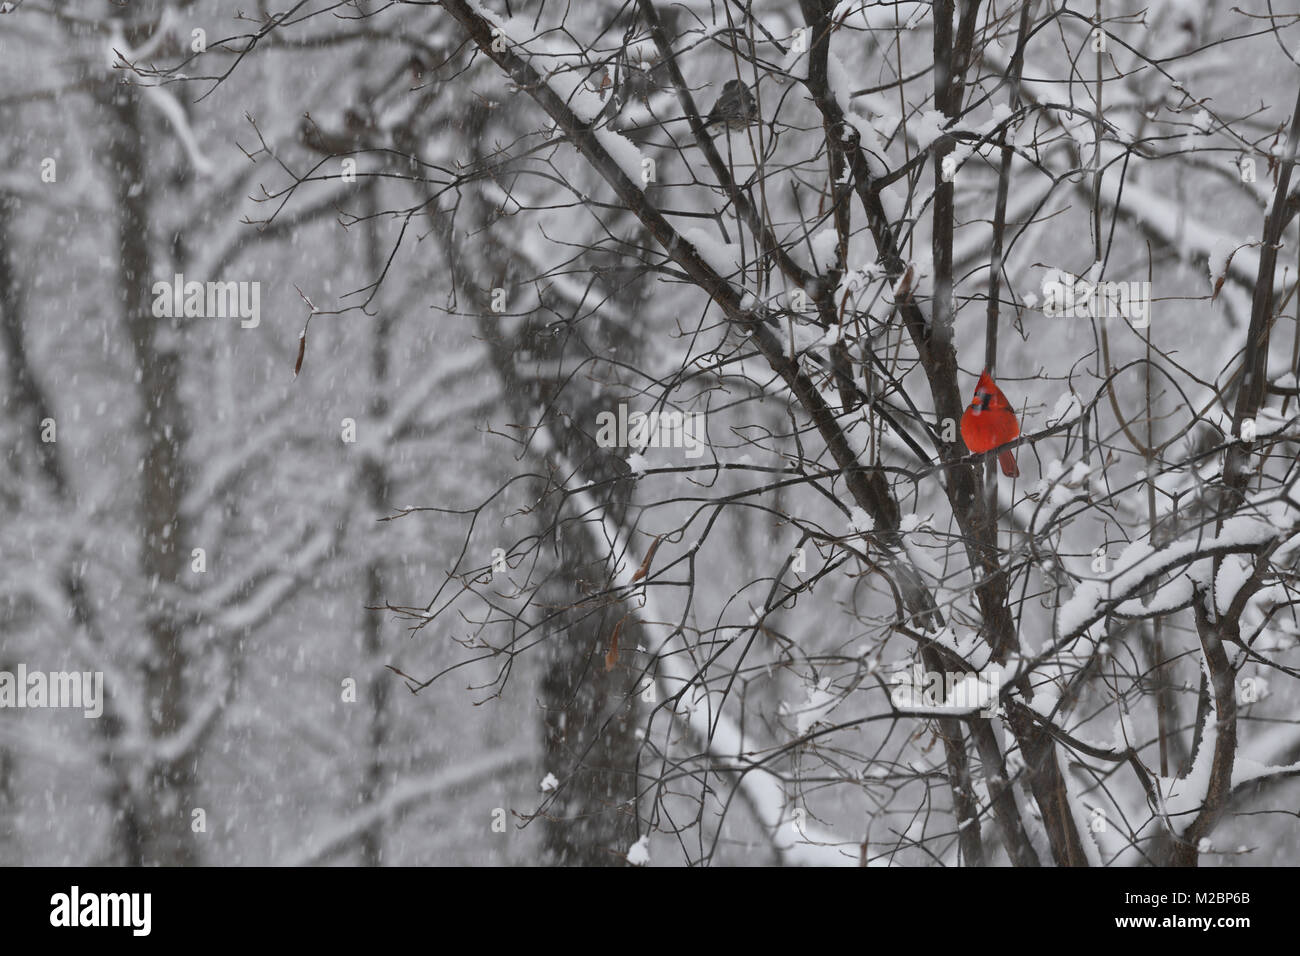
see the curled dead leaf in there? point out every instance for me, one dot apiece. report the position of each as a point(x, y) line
point(611, 655)
point(649, 556)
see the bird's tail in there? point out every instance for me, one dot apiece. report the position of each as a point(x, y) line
point(1007, 460)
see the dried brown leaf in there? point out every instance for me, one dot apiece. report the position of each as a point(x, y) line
point(649, 556)
point(611, 655)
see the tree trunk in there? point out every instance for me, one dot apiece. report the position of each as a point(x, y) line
point(166, 838)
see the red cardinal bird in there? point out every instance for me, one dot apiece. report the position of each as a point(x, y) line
point(989, 422)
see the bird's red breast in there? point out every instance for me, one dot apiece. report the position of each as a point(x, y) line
point(989, 421)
